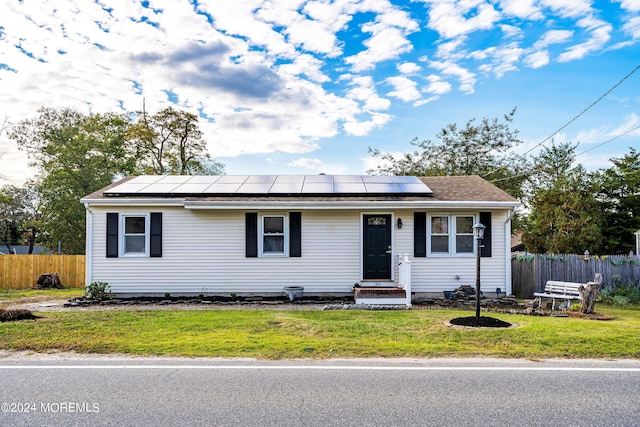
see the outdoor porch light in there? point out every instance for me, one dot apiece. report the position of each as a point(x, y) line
point(399, 222)
point(478, 233)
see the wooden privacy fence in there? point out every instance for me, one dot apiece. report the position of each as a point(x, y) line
point(529, 273)
point(22, 271)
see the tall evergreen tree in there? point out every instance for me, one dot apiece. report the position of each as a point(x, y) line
point(619, 196)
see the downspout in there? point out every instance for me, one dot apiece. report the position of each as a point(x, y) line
point(507, 245)
point(88, 264)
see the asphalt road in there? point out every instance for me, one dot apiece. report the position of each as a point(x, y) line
point(58, 391)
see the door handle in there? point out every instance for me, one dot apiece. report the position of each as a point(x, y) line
point(388, 249)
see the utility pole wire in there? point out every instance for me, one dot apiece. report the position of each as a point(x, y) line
point(583, 111)
point(575, 155)
point(607, 141)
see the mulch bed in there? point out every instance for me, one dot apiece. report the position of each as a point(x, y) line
point(485, 322)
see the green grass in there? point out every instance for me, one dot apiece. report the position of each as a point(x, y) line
point(281, 334)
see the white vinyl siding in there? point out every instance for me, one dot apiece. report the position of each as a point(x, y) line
point(434, 274)
point(204, 252)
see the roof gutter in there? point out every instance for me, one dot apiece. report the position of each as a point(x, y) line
point(323, 205)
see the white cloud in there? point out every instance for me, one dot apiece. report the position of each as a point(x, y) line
point(308, 163)
point(554, 37)
point(449, 17)
point(600, 33)
point(385, 43)
point(364, 90)
point(627, 128)
point(512, 31)
point(526, 9)
point(404, 88)
point(408, 68)
point(632, 27)
point(466, 78)
point(568, 8)
point(630, 5)
point(15, 168)
point(537, 59)
point(437, 86)
point(361, 128)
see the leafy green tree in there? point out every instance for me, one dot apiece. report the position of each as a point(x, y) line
point(76, 155)
point(170, 142)
point(20, 215)
point(565, 216)
point(484, 149)
point(619, 196)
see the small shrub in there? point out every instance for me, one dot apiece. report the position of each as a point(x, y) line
point(167, 295)
point(98, 291)
point(620, 300)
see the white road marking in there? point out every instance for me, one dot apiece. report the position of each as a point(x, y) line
point(327, 368)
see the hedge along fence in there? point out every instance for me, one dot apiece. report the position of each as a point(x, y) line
point(529, 272)
point(22, 271)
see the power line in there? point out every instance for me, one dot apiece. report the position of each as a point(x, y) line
point(575, 155)
point(583, 111)
point(607, 141)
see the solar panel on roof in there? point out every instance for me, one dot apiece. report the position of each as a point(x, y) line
point(191, 188)
point(271, 185)
point(317, 188)
point(204, 179)
point(174, 179)
point(254, 188)
point(286, 188)
point(222, 188)
point(158, 188)
point(376, 178)
point(232, 179)
point(347, 178)
point(318, 178)
point(349, 187)
point(260, 179)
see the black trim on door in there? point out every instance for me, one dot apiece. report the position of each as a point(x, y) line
point(376, 247)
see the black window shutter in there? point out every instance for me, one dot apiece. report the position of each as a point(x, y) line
point(251, 234)
point(295, 234)
point(485, 219)
point(112, 235)
point(155, 239)
point(420, 234)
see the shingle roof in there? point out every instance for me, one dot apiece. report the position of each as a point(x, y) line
point(465, 188)
point(445, 188)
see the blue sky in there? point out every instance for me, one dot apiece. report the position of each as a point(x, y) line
point(304, 87)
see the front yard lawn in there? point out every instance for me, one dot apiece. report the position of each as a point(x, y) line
point(282, 334)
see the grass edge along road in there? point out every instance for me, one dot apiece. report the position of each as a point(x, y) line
point(317, 334)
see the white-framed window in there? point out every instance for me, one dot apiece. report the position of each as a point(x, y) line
point(273, 235)
point(450, 235)
point(134, 235)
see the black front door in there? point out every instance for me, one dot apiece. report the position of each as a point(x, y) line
point(377, 247)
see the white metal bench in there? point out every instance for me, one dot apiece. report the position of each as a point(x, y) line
point(560, 290)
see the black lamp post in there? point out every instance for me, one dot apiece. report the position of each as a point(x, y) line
point(478, 233)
